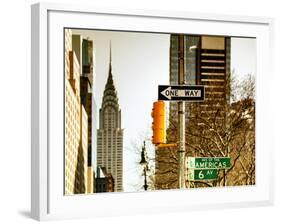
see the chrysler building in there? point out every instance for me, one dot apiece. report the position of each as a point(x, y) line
point(110, 133)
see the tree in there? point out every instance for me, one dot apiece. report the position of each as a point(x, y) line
point(219, 129)
point(135, 150)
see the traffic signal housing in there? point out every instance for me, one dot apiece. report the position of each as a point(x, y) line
point(159, 123)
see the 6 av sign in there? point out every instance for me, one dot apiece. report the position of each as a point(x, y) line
point(206, 168)
point(195, 175)
point(181, 93)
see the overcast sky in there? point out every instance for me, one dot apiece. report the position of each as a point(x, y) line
point(140, 62)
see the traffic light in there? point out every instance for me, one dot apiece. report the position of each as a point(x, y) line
point(159, 123)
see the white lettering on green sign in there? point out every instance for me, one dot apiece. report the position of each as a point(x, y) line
point(205, 174)
point(208, 163)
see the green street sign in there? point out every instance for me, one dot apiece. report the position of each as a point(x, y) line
point(197, 175)
point(208, 163)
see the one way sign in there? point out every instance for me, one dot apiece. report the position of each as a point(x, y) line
point(193, 93)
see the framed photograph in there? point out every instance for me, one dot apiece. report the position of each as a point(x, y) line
point(148, 111)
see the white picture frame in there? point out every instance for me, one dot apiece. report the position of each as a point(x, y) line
point(47, 199)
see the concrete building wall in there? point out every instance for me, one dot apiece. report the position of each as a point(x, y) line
point(110, 154)
point(90, 180)
point(214, 72)
point(84, 140)
point(67, 49)
point(76, 122)
point(74, 75)
point(72, 136)
point(94, 133)
point(211, 42)
point(77, 48)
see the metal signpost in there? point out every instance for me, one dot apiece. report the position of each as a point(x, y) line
point(181, 93)
point(181, 114)
point(199, 168)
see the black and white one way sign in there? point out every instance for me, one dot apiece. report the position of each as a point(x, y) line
point(193, 93)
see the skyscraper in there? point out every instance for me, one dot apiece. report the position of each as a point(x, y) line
point(76, 123)
point(110, 134)
point(79, 74)
point(207, 62)
point(86, 85)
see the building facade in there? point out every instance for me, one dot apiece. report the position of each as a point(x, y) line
point(76, 124)
point(86, 85)
point(79, 174)
point(104, 181)
point(110, 134)
point(206, 62)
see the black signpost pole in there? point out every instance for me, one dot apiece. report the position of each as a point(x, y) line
point(181, 115)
